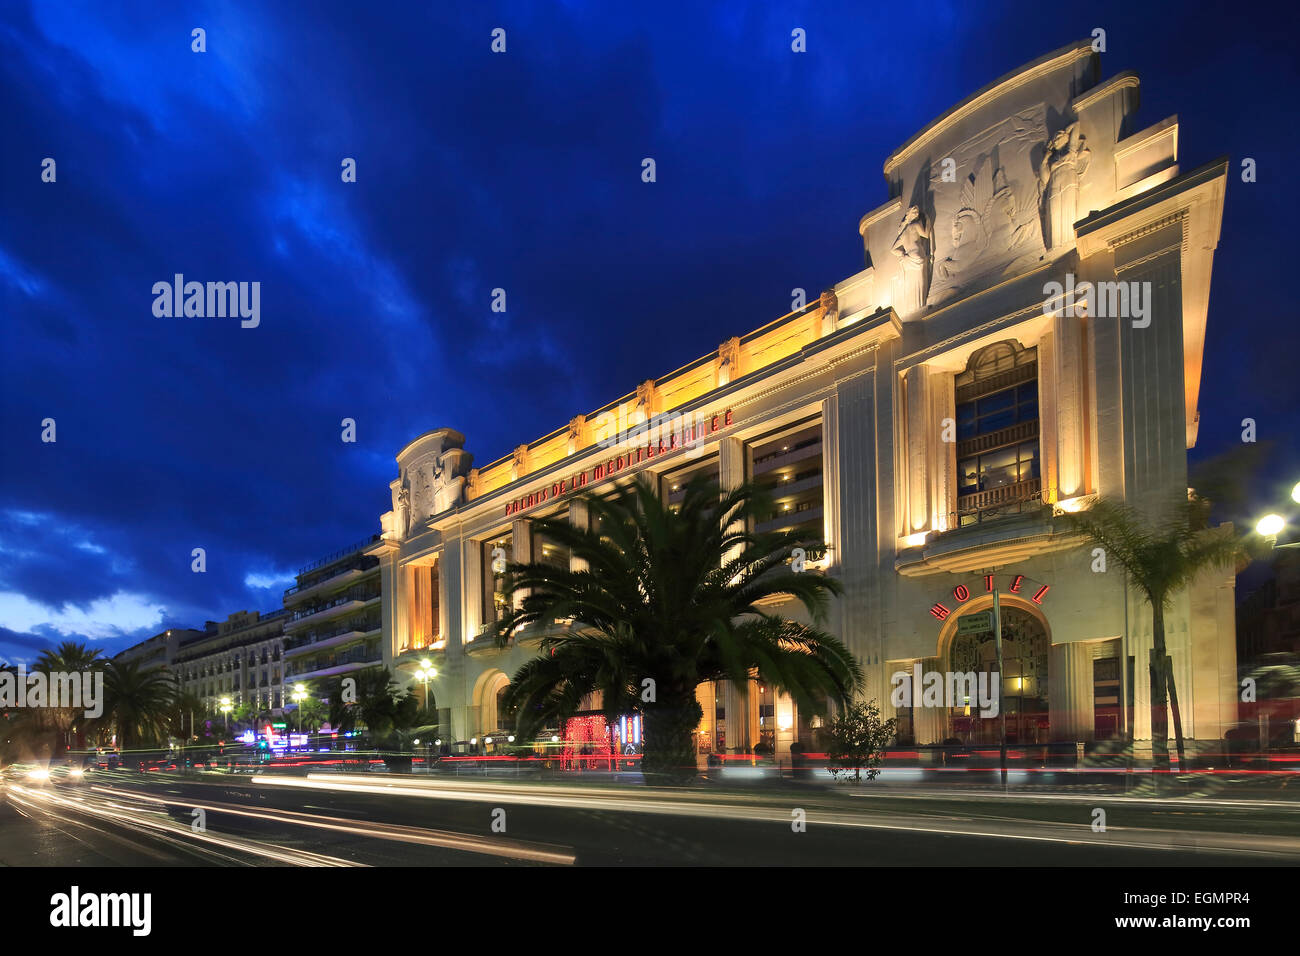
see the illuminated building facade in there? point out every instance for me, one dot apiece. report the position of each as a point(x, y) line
point(332, 615)
point(239, 658)
point(928, 419)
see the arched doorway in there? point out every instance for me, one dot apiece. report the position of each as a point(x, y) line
point(1023, 692)
point(490, 689)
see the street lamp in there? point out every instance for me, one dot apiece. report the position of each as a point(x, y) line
point(225, 706)
point(298, 696)
point(425, 673)
point(1270, 526)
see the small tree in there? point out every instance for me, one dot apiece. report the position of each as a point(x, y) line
point(856, 741)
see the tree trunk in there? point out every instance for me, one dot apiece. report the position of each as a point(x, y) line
point(1178, 718)
point(1158, 670)
point(669, 749)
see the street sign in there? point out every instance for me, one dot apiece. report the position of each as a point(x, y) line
point(975, 623)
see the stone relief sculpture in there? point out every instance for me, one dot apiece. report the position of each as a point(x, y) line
point(728, 361)
point(988, 216)
point(987, 221)
point(402, 507)
point(421, 493)
point(577, 426)
point(447, 485)
point(1065, 161)
point(913, 249)
point(830, 311)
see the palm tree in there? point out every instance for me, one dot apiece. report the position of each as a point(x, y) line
point(70, 657)
point(137, 703)
point(1161, 557)
point(671, 597)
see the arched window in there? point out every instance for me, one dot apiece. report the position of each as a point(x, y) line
point(997, 432)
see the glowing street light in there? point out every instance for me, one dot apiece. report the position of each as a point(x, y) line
point(1270, 526)
point(298, 696)
point(425, 673)
point(225, 705)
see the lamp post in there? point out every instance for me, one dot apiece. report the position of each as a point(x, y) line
point(425, 673)
point(226, 707)
point(298, 696)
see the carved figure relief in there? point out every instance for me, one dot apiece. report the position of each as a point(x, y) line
point(402, 507)
point(1059, 173)
point(830, 311)
point(987, 222)
point(728, 361)
point(447, 485)
point(913, 249)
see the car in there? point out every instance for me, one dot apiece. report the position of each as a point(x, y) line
point(60, 771)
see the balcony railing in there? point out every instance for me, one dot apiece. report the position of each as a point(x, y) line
point(359, 563)
point(342, 553)
point(1022, 431)
point(364, 624)
point(353, 594)
point(360, 655)
point(997, 502)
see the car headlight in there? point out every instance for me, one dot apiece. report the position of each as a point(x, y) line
point(40, 773)
point(76, 771)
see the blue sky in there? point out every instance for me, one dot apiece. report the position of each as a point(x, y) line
point(478, 171)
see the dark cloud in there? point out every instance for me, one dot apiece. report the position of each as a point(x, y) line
point(478, 172)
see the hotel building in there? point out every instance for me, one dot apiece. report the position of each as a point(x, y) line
point(239, 658)
point(927, 421)
point(332, 616)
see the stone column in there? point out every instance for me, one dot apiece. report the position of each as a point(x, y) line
point(1070, 691)
point(931, 723)
point(916, 402)
point(943, 454)
point(1067, 359)
point(831, 478)
point(578, 518)
point(521, 549)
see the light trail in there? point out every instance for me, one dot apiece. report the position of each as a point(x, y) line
point(151, 822)
point(530, 851)
point(690, 805)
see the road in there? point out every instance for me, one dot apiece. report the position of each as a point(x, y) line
point(333, 819)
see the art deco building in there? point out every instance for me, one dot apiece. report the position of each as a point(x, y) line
point(927, 421)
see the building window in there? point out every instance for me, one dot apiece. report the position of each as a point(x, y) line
point(424, 608)
point(788, 466)
point(997, 433)
point(494, 599)
point(675, 482)
point(547, 551)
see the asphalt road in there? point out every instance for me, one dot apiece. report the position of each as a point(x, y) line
point(385, 820)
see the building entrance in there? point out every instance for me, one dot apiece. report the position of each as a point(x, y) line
point(1024, 689)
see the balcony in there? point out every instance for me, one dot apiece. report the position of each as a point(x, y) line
point(801, 452)
point(341, 576)
point(993, 527)
point(812, 511)
point(997, 502)
point(317, 613)
point(331, 665)
point(332, 637)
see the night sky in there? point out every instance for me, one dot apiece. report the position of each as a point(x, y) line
point(477, 171)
